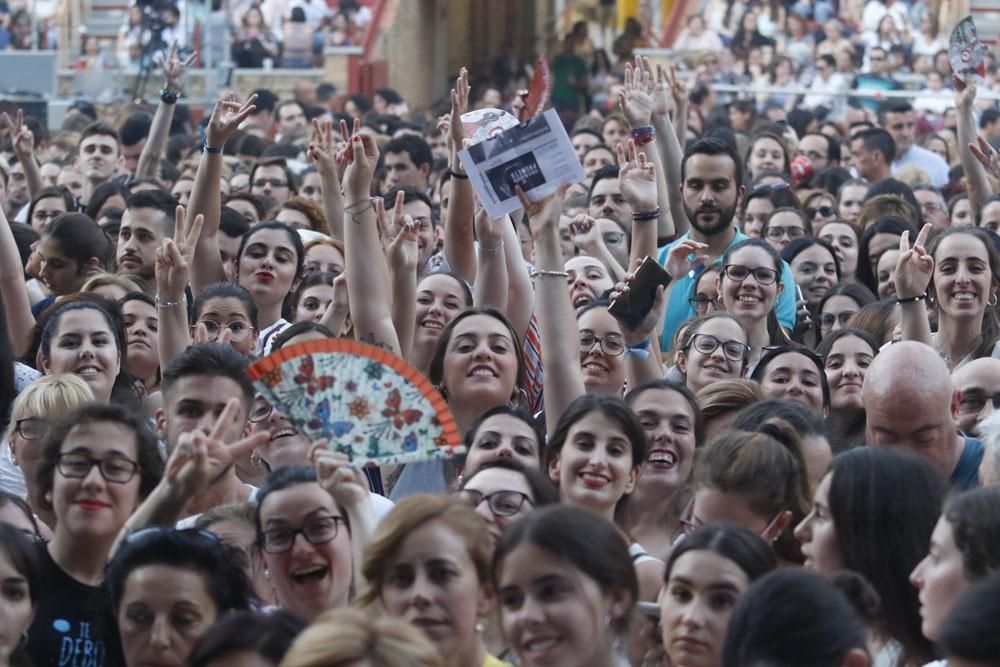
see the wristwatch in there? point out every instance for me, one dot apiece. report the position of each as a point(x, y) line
point(168, 96)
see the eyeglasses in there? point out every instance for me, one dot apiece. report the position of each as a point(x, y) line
point(260, 411)
point(701, 304)
point(501, 503)
point(827, 320)
point(273, 182)
point(46, 215)
point(931, 208)
point(825, 211)
point(116, 470)
point(319, 530)
point(31, 428)
point(791, 232)
point(707, 344)
point(612, 344)
point(239, 330)
point(974, 401)
point(737, 273)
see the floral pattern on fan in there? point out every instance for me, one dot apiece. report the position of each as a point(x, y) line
point(369, 403)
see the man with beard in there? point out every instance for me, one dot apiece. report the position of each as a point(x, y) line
point(711, 189)
point(149, 217)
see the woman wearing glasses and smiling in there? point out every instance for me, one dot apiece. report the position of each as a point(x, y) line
point(98, 463)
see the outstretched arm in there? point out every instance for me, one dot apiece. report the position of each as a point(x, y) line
point(490, 288)
point(14, 290)
point(458, 228)
point(671, 152)
point(23, 140)
point(322, 152)
point(520, 290)
point(975, 173)
point(556, 319)
point(403, 253)
point(173, 261)
point(206, 198)
point(159, 131)
point(913, 274)
point(367, 273)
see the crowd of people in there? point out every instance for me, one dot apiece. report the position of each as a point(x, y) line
point(791, 458)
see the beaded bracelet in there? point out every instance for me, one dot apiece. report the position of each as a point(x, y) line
point(643, 135)
point(912, 299)
point(645, 216)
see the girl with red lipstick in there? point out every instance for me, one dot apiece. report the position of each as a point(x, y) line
point(268, 264)
point(429, 563)
point(704, 577)
point(959, 275)
point(99, 461)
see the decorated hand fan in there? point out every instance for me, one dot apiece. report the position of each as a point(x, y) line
point(538, 92)
point(369, 403)
point(967, 52)
point(482, 124)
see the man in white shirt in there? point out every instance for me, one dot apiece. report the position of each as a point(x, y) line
point(897, 118)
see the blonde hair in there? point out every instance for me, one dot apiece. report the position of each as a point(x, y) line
point(49, 395)
point(103, 279)
point(725, 396)
point(342, 637)
point(408, 516)
point(912, 175)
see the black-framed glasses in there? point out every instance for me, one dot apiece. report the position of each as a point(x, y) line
point(318, 530)
point(738, 273)
point(701, 304)
point(827, 320)
point(612, 345)
point(238, 330)
point(975, 400)
point(791, 232)
point(501, 503)
point(31, 428)
point(273, 182)
point(825, 211)
point(707, 344)
point(116, 469)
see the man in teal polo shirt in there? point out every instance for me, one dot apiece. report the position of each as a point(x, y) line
point(711, 189)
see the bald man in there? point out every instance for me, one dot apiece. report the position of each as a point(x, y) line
point(978, 385)
point(911, 403)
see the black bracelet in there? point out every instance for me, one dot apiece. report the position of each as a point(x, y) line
point(912, 299)
point(168, 96)
point(455, 174)
point(644, 216)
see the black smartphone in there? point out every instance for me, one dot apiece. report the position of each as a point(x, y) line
point(632, 308)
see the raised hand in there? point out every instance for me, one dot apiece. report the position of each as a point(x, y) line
point(636, 178)
point(653, 317)
point(636, 96)
point(914, 266)
point(361, 155)
point(389, 226)
point(323, 149)
point(586, 234)
point(663, 99)
point(965, 93)
point(544, 213)
point(403, 251)
point(22, 138)
point(198, 459)
point(339, 308)
point(226, 118)
point(459, 105)
point(174, 257)
point(345, 483)
point(679, 91)
point(987, 156)
point(489, 232)
point(684, 257)
point(175, 68)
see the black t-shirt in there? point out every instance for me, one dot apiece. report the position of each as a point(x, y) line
point(65, 632)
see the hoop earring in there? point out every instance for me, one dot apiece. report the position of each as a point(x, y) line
point(519, 399)
point(993, 300)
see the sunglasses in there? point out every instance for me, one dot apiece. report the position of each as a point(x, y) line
point(825, 211)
